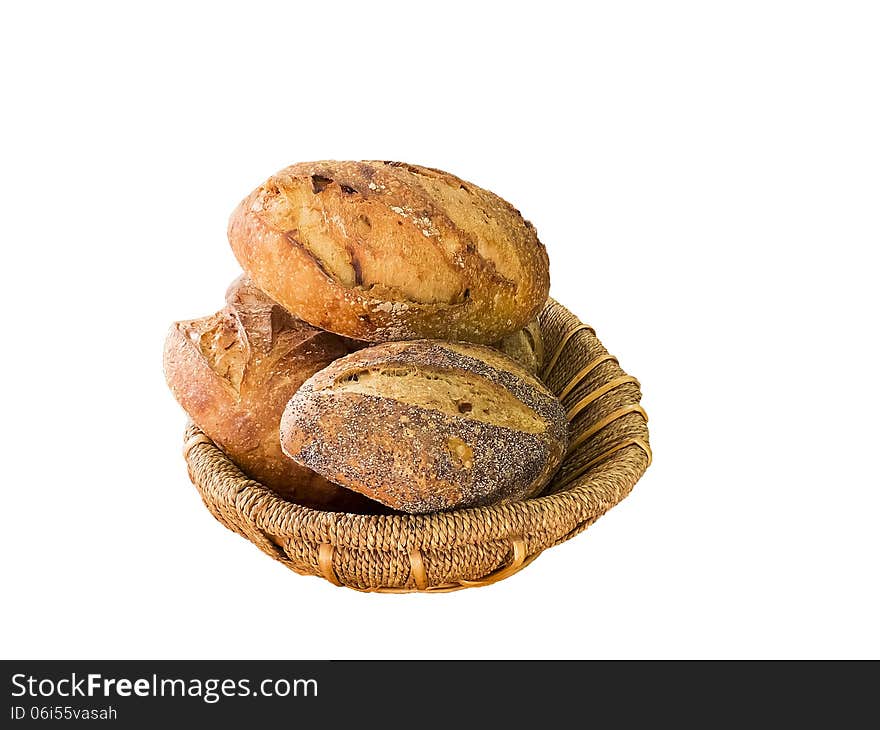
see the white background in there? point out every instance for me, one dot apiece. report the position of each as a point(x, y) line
point(706, 179)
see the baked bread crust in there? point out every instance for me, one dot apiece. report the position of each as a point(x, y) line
point(234, 371)
point(381, 251)
point(526, 346)
point(427, 425)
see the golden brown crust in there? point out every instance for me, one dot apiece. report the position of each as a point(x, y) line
point(427, 425)
point(526, 346)
point(233, 373)
point(382, 251)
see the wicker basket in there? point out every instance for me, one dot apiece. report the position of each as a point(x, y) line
point(446, 551)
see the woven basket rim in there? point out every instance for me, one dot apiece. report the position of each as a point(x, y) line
point(269, 513)
point(289, 515)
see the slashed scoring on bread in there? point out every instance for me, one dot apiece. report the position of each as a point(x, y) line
point(383, 251)
point(427, 425)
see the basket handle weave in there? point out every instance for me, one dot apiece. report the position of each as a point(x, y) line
point(518, 561)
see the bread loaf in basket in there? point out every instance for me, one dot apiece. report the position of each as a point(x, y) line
point(607, 454)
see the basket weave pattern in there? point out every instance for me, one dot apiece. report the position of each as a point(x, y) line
point(608, 453)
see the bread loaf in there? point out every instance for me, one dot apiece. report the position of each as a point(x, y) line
point(526, 346)
point(427, 425)
point(382, 251)
point(233, 373)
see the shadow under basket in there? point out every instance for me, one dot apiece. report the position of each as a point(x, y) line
point(446, 551)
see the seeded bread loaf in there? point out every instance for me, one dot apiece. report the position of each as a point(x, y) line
point(233, 373)
point(427, 425)
point(382, 251)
